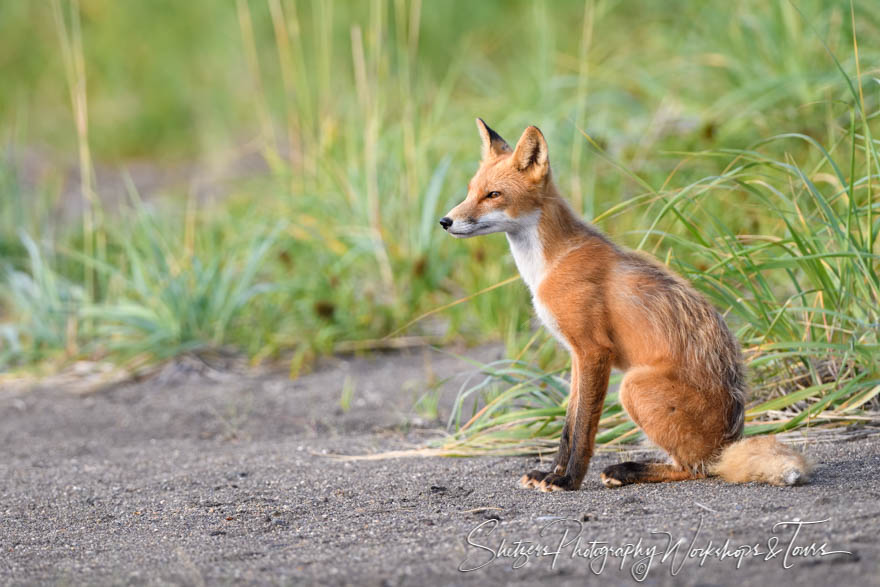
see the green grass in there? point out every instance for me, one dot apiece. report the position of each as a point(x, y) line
point(735, 142)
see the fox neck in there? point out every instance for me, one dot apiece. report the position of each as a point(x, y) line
point(544, 236)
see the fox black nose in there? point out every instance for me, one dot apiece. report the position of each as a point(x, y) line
point(446, 222)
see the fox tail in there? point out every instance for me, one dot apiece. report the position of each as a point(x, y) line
point(763, 459)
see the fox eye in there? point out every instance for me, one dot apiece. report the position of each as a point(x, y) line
point(493, 194)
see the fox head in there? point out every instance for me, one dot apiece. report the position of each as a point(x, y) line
point(506, 192)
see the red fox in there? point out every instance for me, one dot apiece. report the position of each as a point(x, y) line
point(684, 382)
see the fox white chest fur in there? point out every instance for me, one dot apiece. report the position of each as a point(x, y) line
point(528, 253)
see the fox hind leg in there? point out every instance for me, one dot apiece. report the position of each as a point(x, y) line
point(685, 422)
point(632, 472)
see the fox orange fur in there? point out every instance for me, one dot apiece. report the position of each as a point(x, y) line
point(684, 382)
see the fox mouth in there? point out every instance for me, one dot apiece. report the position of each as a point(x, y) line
point(469, 230)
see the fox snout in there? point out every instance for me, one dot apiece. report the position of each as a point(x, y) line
point(459, 228)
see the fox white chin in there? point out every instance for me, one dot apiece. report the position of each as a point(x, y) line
point(476, 229)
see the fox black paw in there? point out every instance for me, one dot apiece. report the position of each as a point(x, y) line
point(622, 474)
point(532, 478)
point(554, 482)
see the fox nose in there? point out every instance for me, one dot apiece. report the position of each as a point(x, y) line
point(446, 222)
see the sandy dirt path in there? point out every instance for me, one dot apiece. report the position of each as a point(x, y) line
point(196, 481)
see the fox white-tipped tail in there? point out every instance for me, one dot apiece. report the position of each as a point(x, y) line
point(763, 459)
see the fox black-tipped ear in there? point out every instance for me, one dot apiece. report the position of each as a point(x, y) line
point(530, 153)
point(493, 144)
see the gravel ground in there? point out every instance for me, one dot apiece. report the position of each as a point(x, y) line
point(195, 479)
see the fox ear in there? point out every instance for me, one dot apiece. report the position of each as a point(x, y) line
point(493, 144)
point(530, 153)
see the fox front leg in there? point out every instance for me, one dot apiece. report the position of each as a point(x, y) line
point(560, 463)
point(585, 408)
point(534, 477)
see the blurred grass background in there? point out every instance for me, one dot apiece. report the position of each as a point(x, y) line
point(266, 175)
